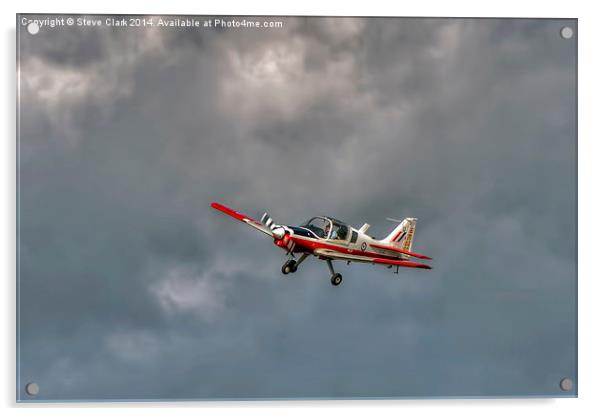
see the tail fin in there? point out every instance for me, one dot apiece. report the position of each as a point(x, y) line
point(403, 234)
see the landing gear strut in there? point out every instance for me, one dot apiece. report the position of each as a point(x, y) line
point(335, 278)
point(290, 266)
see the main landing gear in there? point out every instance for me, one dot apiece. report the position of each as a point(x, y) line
point(335, 278)
point(290, 266)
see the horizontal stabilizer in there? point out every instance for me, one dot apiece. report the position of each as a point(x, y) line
point(402, 263)
point(399, 250)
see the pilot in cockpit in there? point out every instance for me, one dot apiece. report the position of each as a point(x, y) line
point(327, 230)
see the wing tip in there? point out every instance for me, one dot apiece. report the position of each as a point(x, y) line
point(228, 211)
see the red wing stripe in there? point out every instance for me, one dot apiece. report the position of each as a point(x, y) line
point(399, 250)
point(231, 212)
point(402, 263)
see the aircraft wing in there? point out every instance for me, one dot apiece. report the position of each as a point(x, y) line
point(242, 217)
point(336, 255)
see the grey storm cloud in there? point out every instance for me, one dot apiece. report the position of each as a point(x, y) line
point(131, 287)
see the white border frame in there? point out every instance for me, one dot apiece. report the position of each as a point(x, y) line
point(589, 201)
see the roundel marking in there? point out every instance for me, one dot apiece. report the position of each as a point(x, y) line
point(364, 245)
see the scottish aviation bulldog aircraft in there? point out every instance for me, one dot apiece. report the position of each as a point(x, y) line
point(330, 239)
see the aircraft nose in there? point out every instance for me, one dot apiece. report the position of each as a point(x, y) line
point(278, 233)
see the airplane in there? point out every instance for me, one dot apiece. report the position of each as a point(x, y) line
point(330, 239)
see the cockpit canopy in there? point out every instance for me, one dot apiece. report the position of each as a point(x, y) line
point(329, 228)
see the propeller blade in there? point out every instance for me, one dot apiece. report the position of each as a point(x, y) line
point(278, 231)
point(268, 221)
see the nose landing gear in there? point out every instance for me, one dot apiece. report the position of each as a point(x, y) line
point(290, 266)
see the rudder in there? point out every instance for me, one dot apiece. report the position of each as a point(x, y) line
point(403, 234)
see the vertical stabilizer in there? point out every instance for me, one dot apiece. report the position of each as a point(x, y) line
point(403, 235)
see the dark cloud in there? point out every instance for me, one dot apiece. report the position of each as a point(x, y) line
point(131, 287)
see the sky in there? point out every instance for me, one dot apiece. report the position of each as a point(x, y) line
point(130, 287)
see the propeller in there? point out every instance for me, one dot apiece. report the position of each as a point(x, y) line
point(281, 237)
point(278, 231)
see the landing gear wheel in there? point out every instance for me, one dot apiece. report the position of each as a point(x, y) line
point(336, 279)
point(289, 267)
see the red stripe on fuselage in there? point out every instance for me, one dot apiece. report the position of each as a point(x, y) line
point(309, 245)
